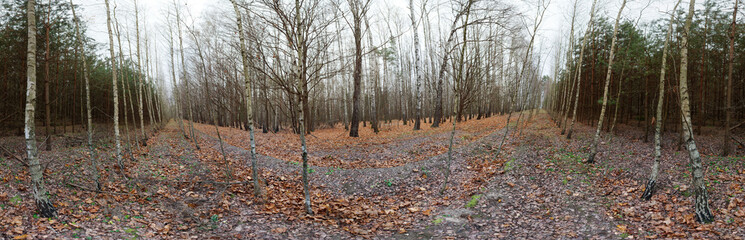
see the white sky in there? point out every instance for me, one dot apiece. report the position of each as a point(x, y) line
point(555, 26)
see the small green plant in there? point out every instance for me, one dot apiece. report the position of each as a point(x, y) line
point(438, 220)
point(624, 235)
point(15, 200)
point(474, 200)
point(214, 218)
point(509, 165)
point(388, 182)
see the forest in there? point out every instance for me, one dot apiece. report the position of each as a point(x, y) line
point(372, 119)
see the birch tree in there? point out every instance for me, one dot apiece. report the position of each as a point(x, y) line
point(117, 141)
point(44, 206)
point(249, 97)
point(418, 91)
point(596, 139)
point(139, 76)
point(649, 191)
point(701, 205)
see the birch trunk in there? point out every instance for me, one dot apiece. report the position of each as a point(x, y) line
point(249, 100)
point(374, 78)
point(418, 113)
point(45, 207)
point(139, 76)
point(596, 139)
point(117, 140)
point(124, 82)
point(699, 187)
point(649, 191)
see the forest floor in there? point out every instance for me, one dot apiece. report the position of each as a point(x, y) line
point(384, 185)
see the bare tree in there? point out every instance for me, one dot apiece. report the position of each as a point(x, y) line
point(183, 74)
point(358, 9)
point(459, 78)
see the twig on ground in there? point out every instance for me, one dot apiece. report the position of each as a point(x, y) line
point(14, 157)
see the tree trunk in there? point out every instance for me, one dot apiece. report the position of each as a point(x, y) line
point(357, 74)
point(115, 92)
point(726, 146)
point(301, 87)
point(699, 187)
point(249, 101)
point(456, 99)
point(44, 206)
point(139, 76)
point(375, 79)
point(649, 191)
point(186, 82)
point(418, 113)
point(47, 112)
point(579, 68)
point(596, 139)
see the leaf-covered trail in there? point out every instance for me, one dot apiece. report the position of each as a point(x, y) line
point(538, 188)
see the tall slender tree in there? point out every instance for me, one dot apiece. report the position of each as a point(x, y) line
point(117, 140)
point(596, 139)
point(249, 98)
point(89, 126)
point(701, 205)
point(44, 206)
point(726, 146)
point(579, 67)
point(649, 191)
point(417, 74)
point(359, 9)
point(183, 75)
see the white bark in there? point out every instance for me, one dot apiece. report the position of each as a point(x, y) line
point(701, 205)
point(115, 94)
point(660, 103)
point(40, 193)
point(249, 99)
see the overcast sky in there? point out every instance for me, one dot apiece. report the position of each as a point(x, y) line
point(554, 28)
